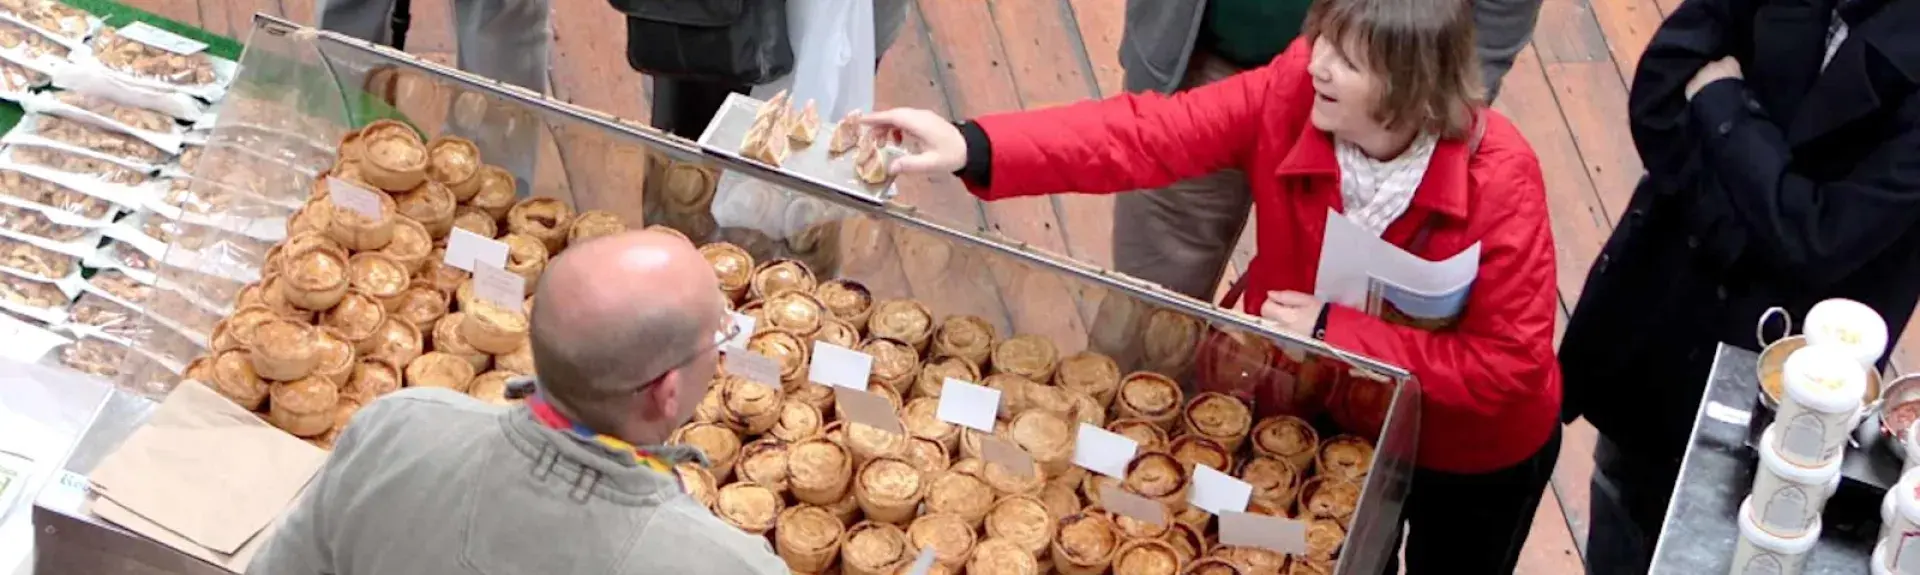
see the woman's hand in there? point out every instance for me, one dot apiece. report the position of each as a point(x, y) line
point(1723, 68)
point(936, 145)
point(1295, 311)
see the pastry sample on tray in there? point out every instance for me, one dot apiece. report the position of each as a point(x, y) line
point(779, 130)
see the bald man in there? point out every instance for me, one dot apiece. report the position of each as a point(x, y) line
point(430, 481)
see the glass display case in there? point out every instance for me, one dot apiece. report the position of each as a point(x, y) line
point(299, 92)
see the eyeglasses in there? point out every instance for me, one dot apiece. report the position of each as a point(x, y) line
point(727, 332)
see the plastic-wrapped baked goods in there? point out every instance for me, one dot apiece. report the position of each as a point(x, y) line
point(34, 223)
point(1150, 396)
point(749, 507)
point(795, 311)
point(819, 471)
point(848, 300)
point(447, 339)
point(1275, 481)
point(1157, 475)
point(234, 379)
point(763, 462)
point(1091, 373)
point(1146, 557)
point(1219, 417)
point(592, 224)
point(732, 265)
point(493, 329)
point(697, 482)
point(36, 45)
point(749, 408)
point(1002, 556)
point(808, 538)
point(303, 407)
point(903, 320)
point(798, 421)
point(1029, 356)
point(720, 445)
point(1024, 520)
point(93, 356)
point(895, 363)
point(454, 162)
point(117, 284)
point(125, 55)
point(435, 369)
point(779, 275)
point(787, 350)
point(1345, 457)
point(951, 537)
point(77, 163)
point(875, 548)
point(960, 494)
point(49, 194)
point(392, 156)
point(17, 79)
point(498, 191)
point(134, 117)
point(544, 219)
point(36, 261)
point(372, 378)
point(933, 376)
point(889, 489)
point(283, 350)
point(98, 139)
point(1287, 437)
point(1085, 544)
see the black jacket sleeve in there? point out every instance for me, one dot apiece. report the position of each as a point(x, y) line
point(1698, 32)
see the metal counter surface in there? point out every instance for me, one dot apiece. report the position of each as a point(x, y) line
point(1700, 533)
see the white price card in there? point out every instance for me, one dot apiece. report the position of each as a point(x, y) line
point(26, 343)
point(922, 563)
point(963, 403)
point(353, 198)
point(869, 409)
point(152, 36)
point(1126, 503)
point(1724, 414)
point(839, 367)
point(743, 325)
point(1007, 455)
point(464, 248)
point(754, 367)
point(1279, 534)
point(1218, 492)
point(1103, 452)
point(499, 287)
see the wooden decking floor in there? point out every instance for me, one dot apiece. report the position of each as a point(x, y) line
point(1567, 93)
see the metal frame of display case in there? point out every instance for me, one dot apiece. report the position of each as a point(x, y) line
point(1372, 533)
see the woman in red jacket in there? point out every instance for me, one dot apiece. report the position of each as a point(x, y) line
point(1374, 114)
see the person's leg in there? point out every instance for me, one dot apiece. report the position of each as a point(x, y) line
point(1628, 502)
point(506, 40)
point(1502, 29)
point(684, 108)
point(1474, 524)
point(364, 19)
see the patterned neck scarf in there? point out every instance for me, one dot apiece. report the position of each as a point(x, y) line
point(545, 413)
point(1373, 192)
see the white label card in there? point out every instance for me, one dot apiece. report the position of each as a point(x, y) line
point(869, 409)
point(1725, 414)
point(1126, 503)
point(499, 287)
point(1103, 452)
point(963, 403)
point(1278, 534)
point(754, 367)
point(147, 34)
point(923, 563)
point(839, 367)
point(1218, 492)
point(1007, 455)
point(464, 248)
point(351, 197)
point(743, 325)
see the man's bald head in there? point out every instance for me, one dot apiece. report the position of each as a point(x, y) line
point(617, 312)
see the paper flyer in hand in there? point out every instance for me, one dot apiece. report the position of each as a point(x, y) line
point(1364, 272)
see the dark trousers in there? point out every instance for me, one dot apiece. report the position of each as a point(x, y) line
point(1473, 524)
point(1628, 501)
point(683, 108)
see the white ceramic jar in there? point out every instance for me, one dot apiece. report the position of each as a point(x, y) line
point(1787, 498)
point(1762, 553)
point(1850, 326)
point(1882, 562)
point(1819, 411)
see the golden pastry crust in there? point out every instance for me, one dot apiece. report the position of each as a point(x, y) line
point(780, 275)
point(847, 300)
point(808, 538)
point(354, 231)
point(1013, 393)
point(1193, 450)
point(1306, 566)
point(901, 320)
point(1329, 497)
point(721, 446)
point(1345, 457)
point(498, 190)
point(1275, 481)
point(592, 224)
point(1023, 519)
point(447, 339)
point(966, 336)
point(1029, 356)
point(927, 456)
point(846, 134)
point(749, 408)
point(795, 311)
point(315, 278)
point(1169, 339)
point(234, 379)
point(819, 396)
point(797, 421)
point(1190, 542)
point(398, 340)
point(1085, 544)
point(1051, 399)
point(493, 329)
point(802, 128)
point(378, 276)
point(697, 483)
point(933, 376)
point(303, 407)
point(1150, 396)
point(785, 348)
point(440, 370)
point(1213, 566)
point(334, 356)
point(372, 378)
point(435, 272)
point(1001, 556)
point(763, 462)
point(962, 494)
point(454, 162)
point(410, 245)
point(430, 204)
point(748, 506)
point(1061, 501)
point(392, 156)
point(527, 258)
point(951, 537)
point(491, 387)
point(921, 418)
point(1157, 475)
point(420, 305)
point(1287, 437)
point(875, 548)
point(283, 350)
point(358, 317)
point(868, 443)
point(1324, 538)
point(1219, 417)
point(731, 265)
point(889, 489)
point(544, 219)
point(819, 470)
point(1251, 560)
point(1091, 373)
point(1046, 436)
point(1146, 557)
point(895, 363)
point(839, 333)
point(475, 220)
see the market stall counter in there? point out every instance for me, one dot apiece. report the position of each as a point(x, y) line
point(367, 221)
point(1700, 532)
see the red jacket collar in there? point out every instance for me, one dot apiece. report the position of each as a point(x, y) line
point(1443, 190)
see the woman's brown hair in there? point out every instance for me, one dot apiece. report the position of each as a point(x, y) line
point(1422, 50)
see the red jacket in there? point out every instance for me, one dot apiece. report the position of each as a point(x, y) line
point(1490, 385)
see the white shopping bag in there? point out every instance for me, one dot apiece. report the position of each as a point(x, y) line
point(833, 56)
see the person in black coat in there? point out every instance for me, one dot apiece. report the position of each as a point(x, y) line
point(1781, 140)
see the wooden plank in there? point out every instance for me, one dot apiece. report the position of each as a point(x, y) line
point(1572, 479)
point(300, 11)
point(1628, 26)
point(1549, 548)
point(1100, 23)
point(975, 73)
point(183, 11)
point(589, 61)
point(233, 18)
point(1580, 223)
point(1594, 104)
point(1667, 6)
point(1567, 33)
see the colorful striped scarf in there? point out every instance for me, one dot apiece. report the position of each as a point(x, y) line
point(544, 413)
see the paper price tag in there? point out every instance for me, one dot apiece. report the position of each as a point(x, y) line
point(464, 248)
point(839, 367)
point(1103, 452)
point(1007, 455)
point(1725, 414)
point(923, 563)
point(353, 198)
point(963, 403)
point(147, 34)
point(1278, 534)
point(869, 409)
point(755, 368)
point(743, 325)
point(1218, 492)
point(499, 287)
point(1126, 503)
